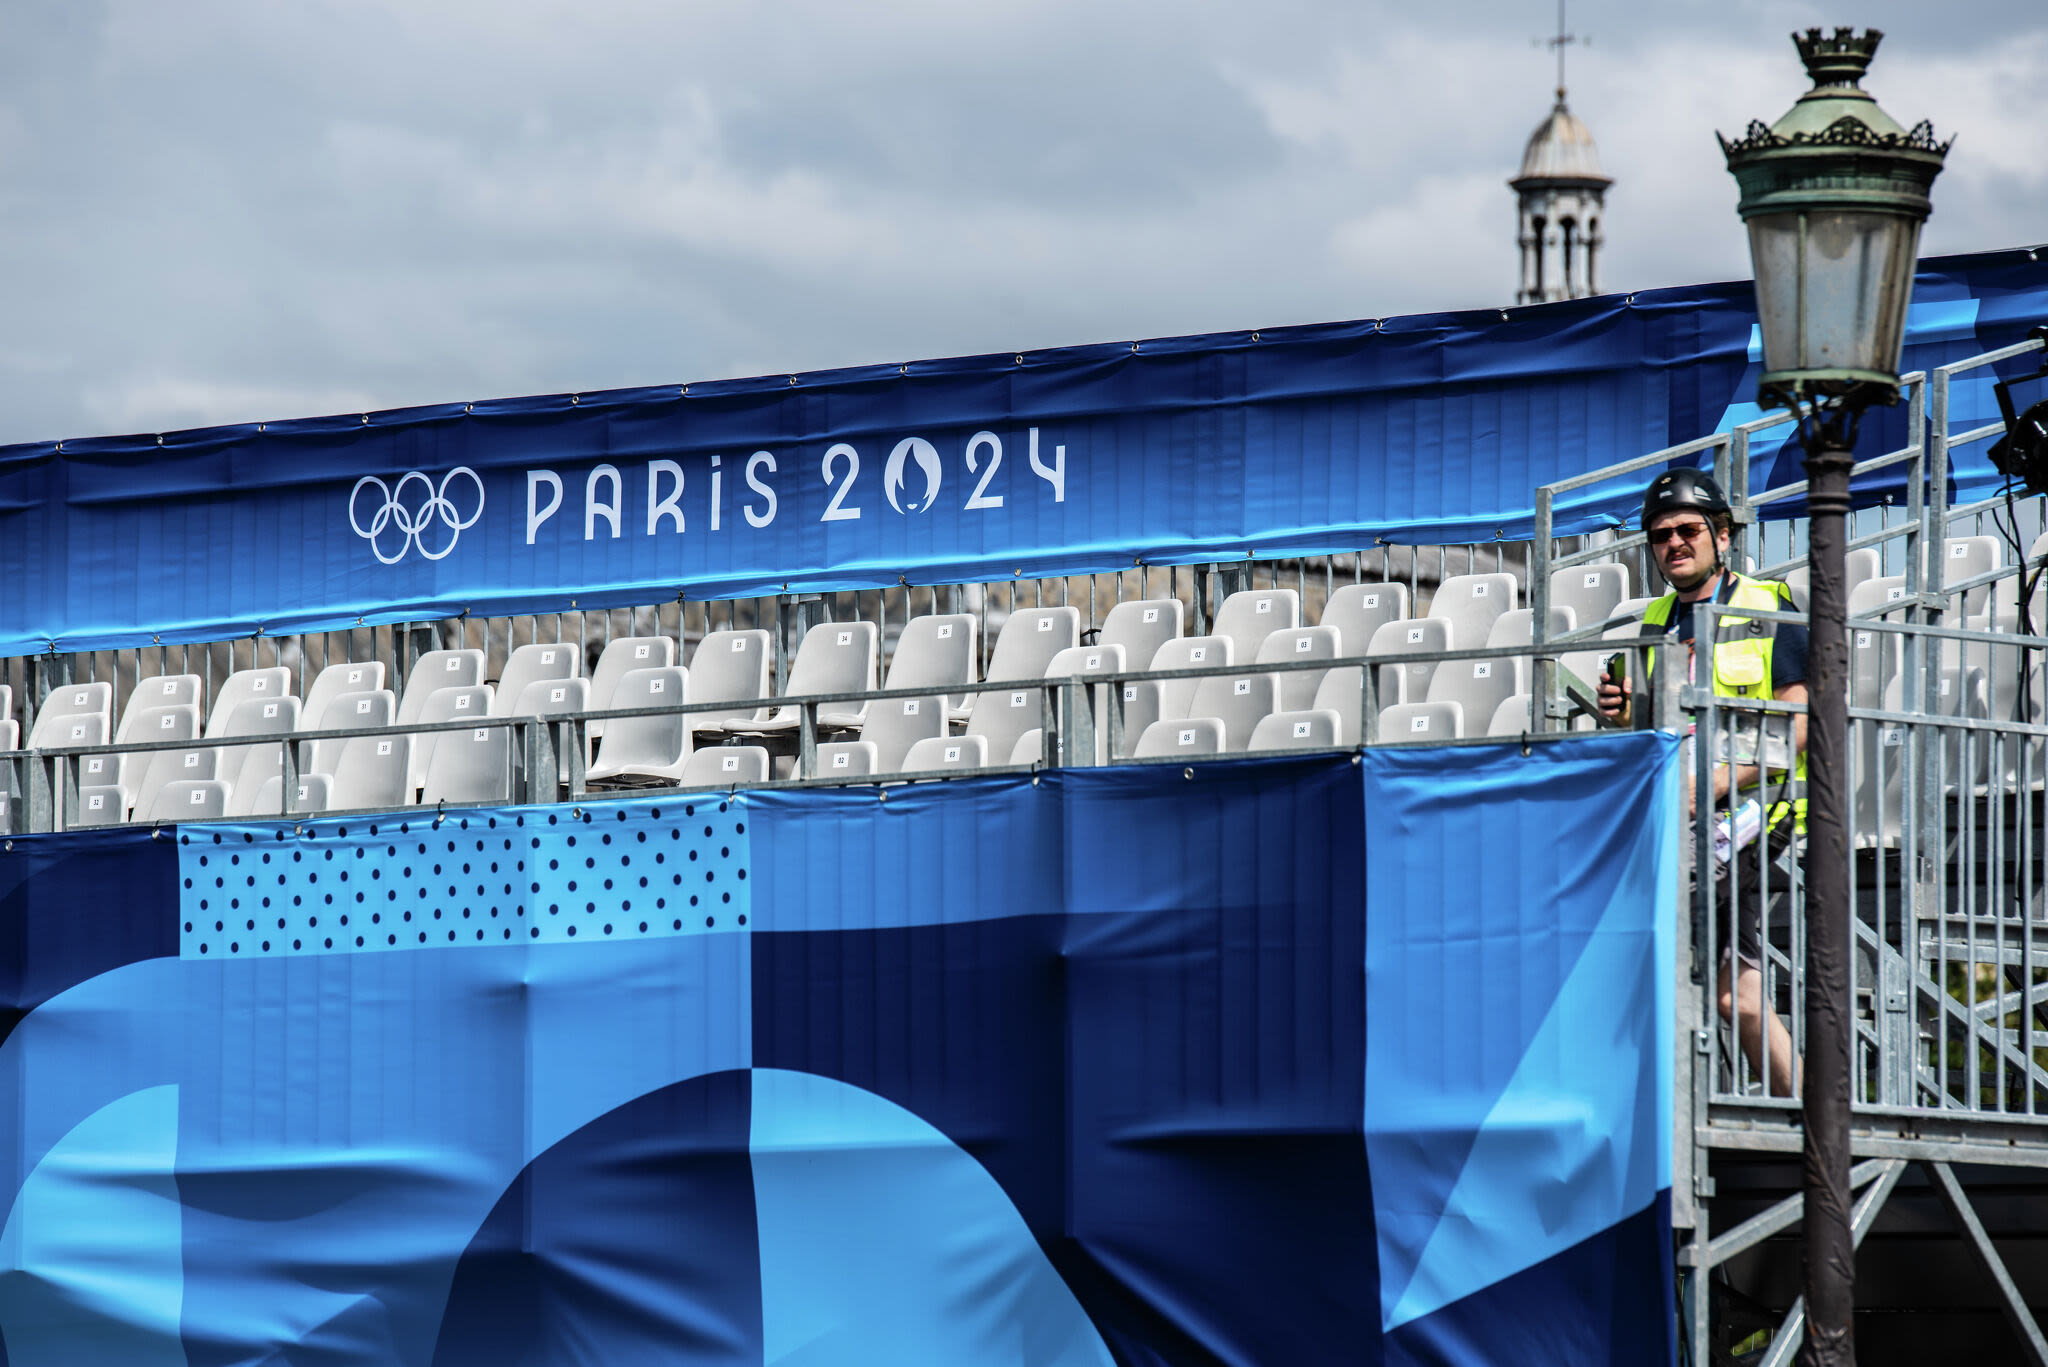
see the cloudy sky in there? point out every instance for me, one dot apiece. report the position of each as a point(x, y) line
point(235, 210)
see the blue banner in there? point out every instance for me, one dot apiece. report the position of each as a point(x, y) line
point(1303, 439)
point(1120, 1066)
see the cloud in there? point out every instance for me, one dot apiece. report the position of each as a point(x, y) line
point(237, 210)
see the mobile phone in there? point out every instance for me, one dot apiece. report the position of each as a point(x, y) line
point(1617, 666)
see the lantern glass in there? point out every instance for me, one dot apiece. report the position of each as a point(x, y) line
point(1832, 287)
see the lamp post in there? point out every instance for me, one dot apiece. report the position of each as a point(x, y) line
point(1833, 194)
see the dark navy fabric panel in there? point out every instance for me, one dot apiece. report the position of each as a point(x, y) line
point(1618, 1284)
point(631, 1241)
point(1167, 1079)
point(1220, 1207)
point(76, 905)
point(1307, 439)
point(857, 858)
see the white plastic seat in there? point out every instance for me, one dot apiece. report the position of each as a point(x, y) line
point(1140, 709)
point(100, 805)
point(267, 799)
point(550, 697)
point(244, 767)
point(1859, 566)
point(105, 771)
point(1248, 617)
point(330, 683)
point(142, 774)
point(1239, 703)
point(53, 725)
point(473, 766)
point(462, 702)
point(162, 690)
point(1342, 693)
point(1146, 701)
point(187, 800)
point(1592, 592)
point(1307, 729)
point(1480, 686)
point(433, 671)
point(1189, 736)
point(931, 652)
point(242, 685)
point(10, 737)
point(1511, 718)
point(1298, 686)
point(1966, 557)
point(1030, 747)
point(1187, 652)
point(623, 653)
point(1627, 631)
point(893, 725)
point(372, 771)
point(1075, 660)
point(1358, 610)
point(365, 711)
point(1470, 603)
point(847, 759)
point(645, 748)
point(1141, 626)
point(731, 666)
point(1400, 683)
point(937, 753)
point(531, 664)
point(1030, 639)
point(170, 767)
point(997, 718)
point(833, 657)
point(726, 764)
point(1412, 723)
point(1873, 655)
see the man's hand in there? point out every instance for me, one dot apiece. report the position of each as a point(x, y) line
point(1613, 697)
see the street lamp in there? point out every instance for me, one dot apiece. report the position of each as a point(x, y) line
point(1834, 194)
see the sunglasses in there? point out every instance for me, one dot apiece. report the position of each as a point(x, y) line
point(1684, 531)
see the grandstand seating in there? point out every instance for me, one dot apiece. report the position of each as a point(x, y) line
point(454, 703)
point(1302, 704)
point(946, 752)
point(532, 664)
point(1299, 644)
point(1302, 730)
point(1358, 610)
point(726, 764)
point(620, 655)
point(847, 759)
point(730, 666)
point(1247, 618)
point(1187, 737)
point(833, 657)
point(1140, 627)
point(639, 749)
point(243, 685)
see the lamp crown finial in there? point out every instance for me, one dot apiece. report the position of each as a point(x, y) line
point(1838, 59)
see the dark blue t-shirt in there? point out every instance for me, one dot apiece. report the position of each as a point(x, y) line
point(1788, 649)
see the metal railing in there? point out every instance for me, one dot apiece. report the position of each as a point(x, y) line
point(547, 757)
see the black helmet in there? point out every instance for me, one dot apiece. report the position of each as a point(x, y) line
point(1683, 490)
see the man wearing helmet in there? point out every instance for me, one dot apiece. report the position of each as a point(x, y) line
point(1687, 520)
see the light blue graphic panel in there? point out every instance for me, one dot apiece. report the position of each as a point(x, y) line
point(883, 1242)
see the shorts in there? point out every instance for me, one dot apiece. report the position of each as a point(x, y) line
point(1765, 866)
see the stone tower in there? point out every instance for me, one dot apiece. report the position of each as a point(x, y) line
point(1561, 192)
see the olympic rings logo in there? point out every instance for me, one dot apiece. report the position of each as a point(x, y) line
point(414, 526)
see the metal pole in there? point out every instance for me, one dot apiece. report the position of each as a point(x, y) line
point(1830, 1251)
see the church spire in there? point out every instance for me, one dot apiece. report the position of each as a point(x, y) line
point(1561, 194)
